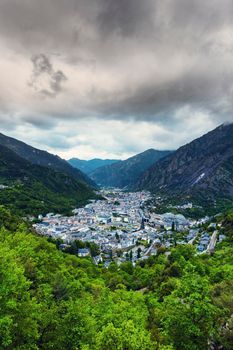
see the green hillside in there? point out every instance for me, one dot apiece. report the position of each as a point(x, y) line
point(34, 189)
point(43, 158)
point(52, 300)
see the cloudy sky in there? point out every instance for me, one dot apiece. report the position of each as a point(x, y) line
point(111, 78)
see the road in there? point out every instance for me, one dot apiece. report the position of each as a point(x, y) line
point(192, 240)
point(213, 240)
point(149, 249)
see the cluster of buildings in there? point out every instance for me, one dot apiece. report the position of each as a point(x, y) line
point(122, 227)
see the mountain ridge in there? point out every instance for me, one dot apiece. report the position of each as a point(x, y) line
point(124, 174)
point(43, 158)
point(35, 189)
point(205, 164)
point(87, 166)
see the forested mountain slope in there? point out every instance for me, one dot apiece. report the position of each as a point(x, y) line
point(37, 189)
point(125, 173)
point(44, 158)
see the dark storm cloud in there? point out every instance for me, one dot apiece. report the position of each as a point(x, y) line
point(126, 18)
point(159, 101)
point(159, 61)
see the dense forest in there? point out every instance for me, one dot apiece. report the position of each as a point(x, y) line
point(31, 189)
point(55, 300)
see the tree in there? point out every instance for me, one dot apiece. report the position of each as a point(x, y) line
point(139, 253)
point(18, 312)
point(109, 338)
point(188, 318)
point(110, 254)
point(173, 226)
point(117, 237)
point(130, 255)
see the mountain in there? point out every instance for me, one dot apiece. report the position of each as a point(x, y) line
point(88, 166)
point(33, 189)
point(201, 169)
point(39, 157)
point(126, 172)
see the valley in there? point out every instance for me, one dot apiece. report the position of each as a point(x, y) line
point(125, 228)
point(116, 175)
point(143, 265)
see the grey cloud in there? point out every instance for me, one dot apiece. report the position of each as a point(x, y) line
point(158, 102)
point(43, 67)
point(58, 142)
point(150, 60)
point(40, 121)
point(126, 18)
point(56, 80)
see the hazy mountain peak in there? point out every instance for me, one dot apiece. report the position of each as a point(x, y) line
point(87, 166)
point(125, 173)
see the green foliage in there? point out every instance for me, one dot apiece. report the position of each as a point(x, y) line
point(34, 189)
point(189, 317)
point(8, 220)
point(73, 249)
point(52, 300)
point(36, 198)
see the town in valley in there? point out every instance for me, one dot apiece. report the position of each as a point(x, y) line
point(124, 227)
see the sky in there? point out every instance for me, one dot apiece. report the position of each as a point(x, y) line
point(112, 78)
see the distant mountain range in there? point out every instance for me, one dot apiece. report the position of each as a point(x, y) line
point(37, 181)
point(202, 169)
point(125, 173)
point(43, 158)
point(88, 166)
